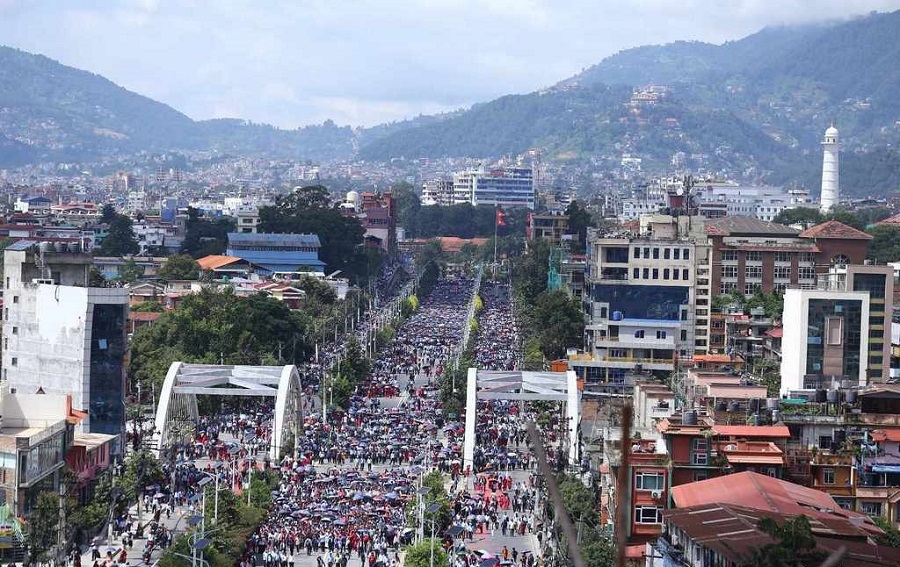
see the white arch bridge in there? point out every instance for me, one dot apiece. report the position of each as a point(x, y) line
point(177, 414)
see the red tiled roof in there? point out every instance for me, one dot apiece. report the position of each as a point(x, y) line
point(836, 230)
point(890, 221)
point(143, 316)
point(215, 261)
point(753, 490)
point(776, 333)
point(881, 435)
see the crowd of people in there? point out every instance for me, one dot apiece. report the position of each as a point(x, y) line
point(496, 338)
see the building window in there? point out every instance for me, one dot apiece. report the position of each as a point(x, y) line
point(665, 273)
point(647, 515)
point(782, 257)
point(15, 299)
point(15, 330)
point(729, 272)
point(698, 459)
point(649, 481)
point(870, 508)
point(751, 288)
point(685, 274)
point(807, 257)
point(636, 272)
point(14, 361)
point(753, 272)
point(687, 254)
point(676, 253)
point(647, 252)
point(827, 476)
point(753, 256)
point(666, 253)
point(700, 475)
point(807, 273)
point(656, 253)
point(683, 334)
point(779, 288)
point(637, 252)
point(675, 273)
point(646, 273)
point(660, 334)
point(639, 334)
point(782, 272)
point(729, 256)
point(655, 272)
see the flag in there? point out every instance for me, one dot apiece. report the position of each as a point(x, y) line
point(501, 218)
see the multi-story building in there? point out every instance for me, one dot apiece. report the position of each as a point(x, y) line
point(837, 330)
point(277, 255)
point(247, 218)
point(748, 254)
point(437, 192)
point(61, 336)
point(640, 297)
point(554, 228)
point(509, 187)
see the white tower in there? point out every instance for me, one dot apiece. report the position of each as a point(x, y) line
point(831, 183)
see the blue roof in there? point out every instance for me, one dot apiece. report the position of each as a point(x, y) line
point(285, 268)
point(22, 245)
point(259, 239)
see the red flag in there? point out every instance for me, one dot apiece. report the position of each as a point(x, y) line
point(501, 216)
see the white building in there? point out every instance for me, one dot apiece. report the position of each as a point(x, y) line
point(831, 182)
point(510, 187)
point(62, 337)
point(136, 201)
point(826, 333)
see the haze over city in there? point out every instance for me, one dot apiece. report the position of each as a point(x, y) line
point(368, 62)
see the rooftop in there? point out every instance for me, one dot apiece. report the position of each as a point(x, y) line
point(761, 431)
point(747, 226)
point(280, 239)
point(836, 230)
point(216, 261)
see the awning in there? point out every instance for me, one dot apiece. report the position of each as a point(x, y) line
point(886, 468)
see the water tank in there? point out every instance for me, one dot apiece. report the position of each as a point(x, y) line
point(44, 247)
point(721, 406)
point(821, 396)
point(353, 199)
point(617, 316)
point(833, 396)
point(850, 396)
point(772, 403)
point(689, 417)
point(734, 406)
point(776, 415)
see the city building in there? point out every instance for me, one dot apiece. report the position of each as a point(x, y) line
point(277, 255)
point(554, 228)
point(508, 187)
point(61, 336)
point(437, 192)
point(831, 170)
point(640, 297)
point(247, 218)
point(837, 331)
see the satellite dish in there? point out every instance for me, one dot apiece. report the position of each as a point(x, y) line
point(679, 191)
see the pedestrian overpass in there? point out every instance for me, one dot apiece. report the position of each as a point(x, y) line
point(177, 413)
point(521, 385)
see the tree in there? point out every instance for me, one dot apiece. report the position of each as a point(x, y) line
point(120, 240)
point(560, 321)
point(885, 244)
point(420, 554)
point(579, 221)
point(148, 307)
point(180, 267)
point(204, 237)
point(891, 537)
point(43, 526)
point(130, 272)
point(354, 365)
point(407, 206)
point(799, 215)
point(794, 546)
point(107, 214)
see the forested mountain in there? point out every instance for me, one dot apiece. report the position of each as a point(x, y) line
point(51, 111)
point(755, 107)
point(758, 105)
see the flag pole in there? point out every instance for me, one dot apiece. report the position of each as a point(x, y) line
point(496, 224)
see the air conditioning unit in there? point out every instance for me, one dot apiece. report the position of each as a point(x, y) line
point(656, 494)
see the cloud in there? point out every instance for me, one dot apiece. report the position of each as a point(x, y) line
point(294, 62)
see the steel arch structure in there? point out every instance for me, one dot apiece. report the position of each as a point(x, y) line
point(176, 412)
point(520, 385)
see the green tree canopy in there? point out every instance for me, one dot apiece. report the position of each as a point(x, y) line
point(180, 267)
point(560, 322)
point(204, 237)
point(579, 221)
point(218, 327)
point(795, 545)
point(130, 272)
point(107, 214)
point(885, 244)
point(120, 240)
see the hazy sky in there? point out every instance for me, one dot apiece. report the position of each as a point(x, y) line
point(362, 62)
